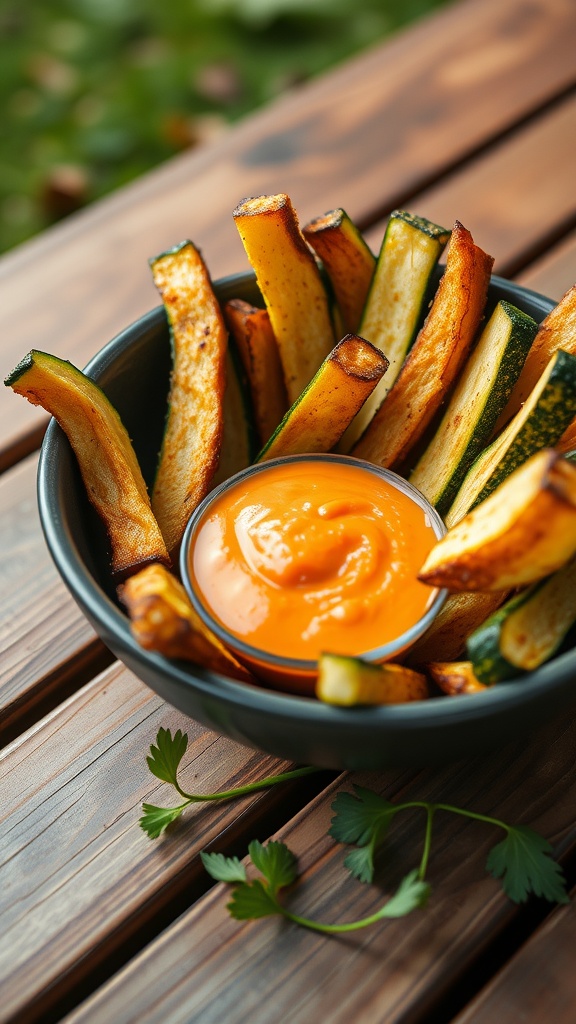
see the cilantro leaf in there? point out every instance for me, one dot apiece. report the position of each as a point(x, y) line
point(223, 869)
point(155, 820)
point(410, 894)
point(358, 817)
point(276, 862)
point(166, 757)
point(251, 900)
point(360, 863)
point(524, 863)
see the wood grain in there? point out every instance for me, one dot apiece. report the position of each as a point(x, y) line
point(45, 640)
point(537, 984)
point(395, 971)
point(501, 199)
point(366, 136)
point(79, 878)
point(555, 272)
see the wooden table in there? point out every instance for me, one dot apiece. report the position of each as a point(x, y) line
point(469, 114)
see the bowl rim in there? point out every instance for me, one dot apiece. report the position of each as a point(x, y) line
point(296, 708)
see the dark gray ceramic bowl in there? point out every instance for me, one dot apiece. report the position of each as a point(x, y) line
point(130, 370)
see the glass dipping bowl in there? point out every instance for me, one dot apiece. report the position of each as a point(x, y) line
point(296, 674)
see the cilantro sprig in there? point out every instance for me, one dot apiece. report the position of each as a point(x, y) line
point(522, 860)
point(164, 762)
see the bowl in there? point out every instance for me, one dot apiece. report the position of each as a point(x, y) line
point(130, 369)
point(263, 581)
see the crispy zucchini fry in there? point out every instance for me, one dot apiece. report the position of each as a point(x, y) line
point(322, 412)
point(347, 681)
point(193, 436)
point(540, 423)
point(557, 330)
point(108, 463)
point(348, 261)
point(454, 677)
point(480, 394)
point(436, 357)
point(525, 530)
point(528, 630)
point(459, 616)
point(252, 330)
point(240, 440)
point(408, 256)
point(291, 285)
point(162, 619)
point(567, 442)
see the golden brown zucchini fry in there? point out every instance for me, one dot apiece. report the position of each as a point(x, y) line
point(454, 677)
point(347, 681)
point(162, 619)
point(252, 330)
point(557, 330)
point(348, 261)
point(320, 415)
point(193, 436)
point(525, 530)
point(538, 424)
point(457, 619)
point(436, 357)
point(291, 286)
point(108, 463)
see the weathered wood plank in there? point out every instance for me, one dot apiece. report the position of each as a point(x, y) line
point(555, 272)
point(502, 200)
point(79, 879)
point(395, 971)
point(45, 640)
point(365, 136)
point(537, 984)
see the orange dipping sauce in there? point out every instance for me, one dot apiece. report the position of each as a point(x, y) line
point(312, 554)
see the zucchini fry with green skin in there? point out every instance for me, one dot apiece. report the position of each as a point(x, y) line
point(348, 261)
point(445, 639)
point(108, 463)
point(347, 681)
point(252, 330)
point(319, 416)
point(192, 440)
point(240, 441)
point(162, 619)
point(524, 531)
point(480, 395)
point(435, 359)
point(291, 286)
point(538, 424)
point(408, 256)
point(557, 330)
point(454, 677)
point(527, 631)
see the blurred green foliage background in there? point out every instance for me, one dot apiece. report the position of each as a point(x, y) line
point(94, 92)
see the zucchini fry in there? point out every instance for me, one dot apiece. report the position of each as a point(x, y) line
point(454, 677)
point(162, 619)
point(107, 461)
point(538, 424)
point(347, 681)
point(240, 441)
point(557, 330)
point(480, 394)
point(291, 286)
point(322, 412)
point(446, 637)
point(524, 531)
point(192, 440)
point(252, 331)
point(528, 630)
point(348, 261)
point(409, 253)
point(436, 357)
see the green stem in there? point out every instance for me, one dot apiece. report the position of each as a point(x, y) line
point(427, 842)
point(251, 787)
